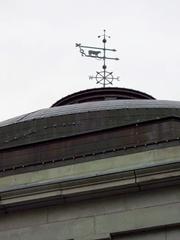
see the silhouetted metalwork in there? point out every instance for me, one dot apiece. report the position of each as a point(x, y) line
point(102, 77)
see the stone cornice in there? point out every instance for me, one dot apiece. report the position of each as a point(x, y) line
point(132, 172)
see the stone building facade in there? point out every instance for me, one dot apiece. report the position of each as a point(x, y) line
point(99, 164)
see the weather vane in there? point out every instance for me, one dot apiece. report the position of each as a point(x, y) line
point(103, 77)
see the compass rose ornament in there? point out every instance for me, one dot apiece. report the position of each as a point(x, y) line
point(102, 77)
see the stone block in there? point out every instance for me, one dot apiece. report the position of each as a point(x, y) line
point(21, 219)
point(137, 219)
point(56, 231)
point(173, 234)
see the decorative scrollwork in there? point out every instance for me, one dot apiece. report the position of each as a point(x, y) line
point(82, 52)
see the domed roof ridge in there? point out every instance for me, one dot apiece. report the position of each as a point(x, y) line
point(93, 107)
point(102, 94)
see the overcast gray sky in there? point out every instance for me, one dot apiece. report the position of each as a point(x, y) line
point(39, 63)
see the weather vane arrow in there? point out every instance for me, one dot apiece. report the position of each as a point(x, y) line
point(103, 77)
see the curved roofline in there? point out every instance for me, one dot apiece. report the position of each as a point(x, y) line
point(102, 94)
point(93, 107)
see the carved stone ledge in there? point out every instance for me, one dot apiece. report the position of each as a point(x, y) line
point(88, 187)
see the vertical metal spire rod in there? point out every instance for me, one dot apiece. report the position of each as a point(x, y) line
point(104, 66)
point(104, 58)
point(103, 77)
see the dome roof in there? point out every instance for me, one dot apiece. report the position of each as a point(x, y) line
point(157, 106)
point(101, 94)
point(70, 120)
point(72, 126)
